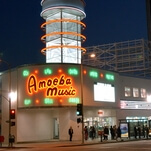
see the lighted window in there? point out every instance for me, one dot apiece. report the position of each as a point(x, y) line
point(127, 91)
point(143, 93)
point(135, 92)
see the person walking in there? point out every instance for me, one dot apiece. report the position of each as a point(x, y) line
point(135, 132)
point(147, 131)
point(86, 133)
point(106, 133)
point(118, 133)
point(139, 131)
point(112, 132)
point(70, 132)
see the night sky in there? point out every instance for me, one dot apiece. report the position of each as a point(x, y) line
point(107, 21)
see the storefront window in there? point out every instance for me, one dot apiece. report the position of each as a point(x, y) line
point(127, 91)
point(98, 123)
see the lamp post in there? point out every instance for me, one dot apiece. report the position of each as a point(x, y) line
point(9, 99)
point(93, 55)
point(81, 68)
point(82, 102)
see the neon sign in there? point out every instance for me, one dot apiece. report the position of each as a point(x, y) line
point(54, 87)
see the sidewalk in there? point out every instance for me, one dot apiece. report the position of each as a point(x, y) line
point(56, 143)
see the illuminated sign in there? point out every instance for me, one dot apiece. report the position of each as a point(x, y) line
point(109, 77)
point(104, 92)
point(61, 86)
point(93, 74)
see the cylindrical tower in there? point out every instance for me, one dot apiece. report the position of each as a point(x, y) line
point(63, 28)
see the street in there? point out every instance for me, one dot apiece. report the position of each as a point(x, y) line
point(140, 145)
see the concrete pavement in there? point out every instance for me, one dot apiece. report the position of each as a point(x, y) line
point(56, 143)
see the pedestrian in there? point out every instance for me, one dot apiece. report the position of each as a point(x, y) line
point(70, 132)
point(139, 131)
point(143, 131)
point(86, 132)
point(118, 133)
point(112, 132)
point(106, 133)
point(147, 131)
point(135, 132)
point(93, 132)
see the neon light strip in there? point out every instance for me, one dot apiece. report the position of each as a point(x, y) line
point(62, 33)
point(62, 20)
point(63, 46)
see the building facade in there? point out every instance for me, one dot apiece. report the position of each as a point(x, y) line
point(46, 96)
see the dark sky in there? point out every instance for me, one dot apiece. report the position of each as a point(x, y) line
point(107, 21)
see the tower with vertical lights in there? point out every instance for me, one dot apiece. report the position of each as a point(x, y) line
point(63, 28)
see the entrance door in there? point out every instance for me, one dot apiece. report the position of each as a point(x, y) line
point(56, 128)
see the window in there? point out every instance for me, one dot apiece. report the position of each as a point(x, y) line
point(127, 91)
point(135, 92)
point(143, 93)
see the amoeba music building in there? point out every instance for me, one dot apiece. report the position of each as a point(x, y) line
point(46, 97)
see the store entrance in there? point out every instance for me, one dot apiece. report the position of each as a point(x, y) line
point(56, 128)
point(97, 124)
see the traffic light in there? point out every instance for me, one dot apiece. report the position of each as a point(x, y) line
point(12, 123)
point(79, 109)
point(12, 114)
point(79, 120)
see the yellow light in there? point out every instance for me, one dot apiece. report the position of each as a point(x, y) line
point(60, 70)
point(37, 101)
point(92, 55)
point(60, 100)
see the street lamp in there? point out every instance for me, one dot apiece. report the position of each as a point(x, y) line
point(9, 99)
point(82, 102)
point(81, 68)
